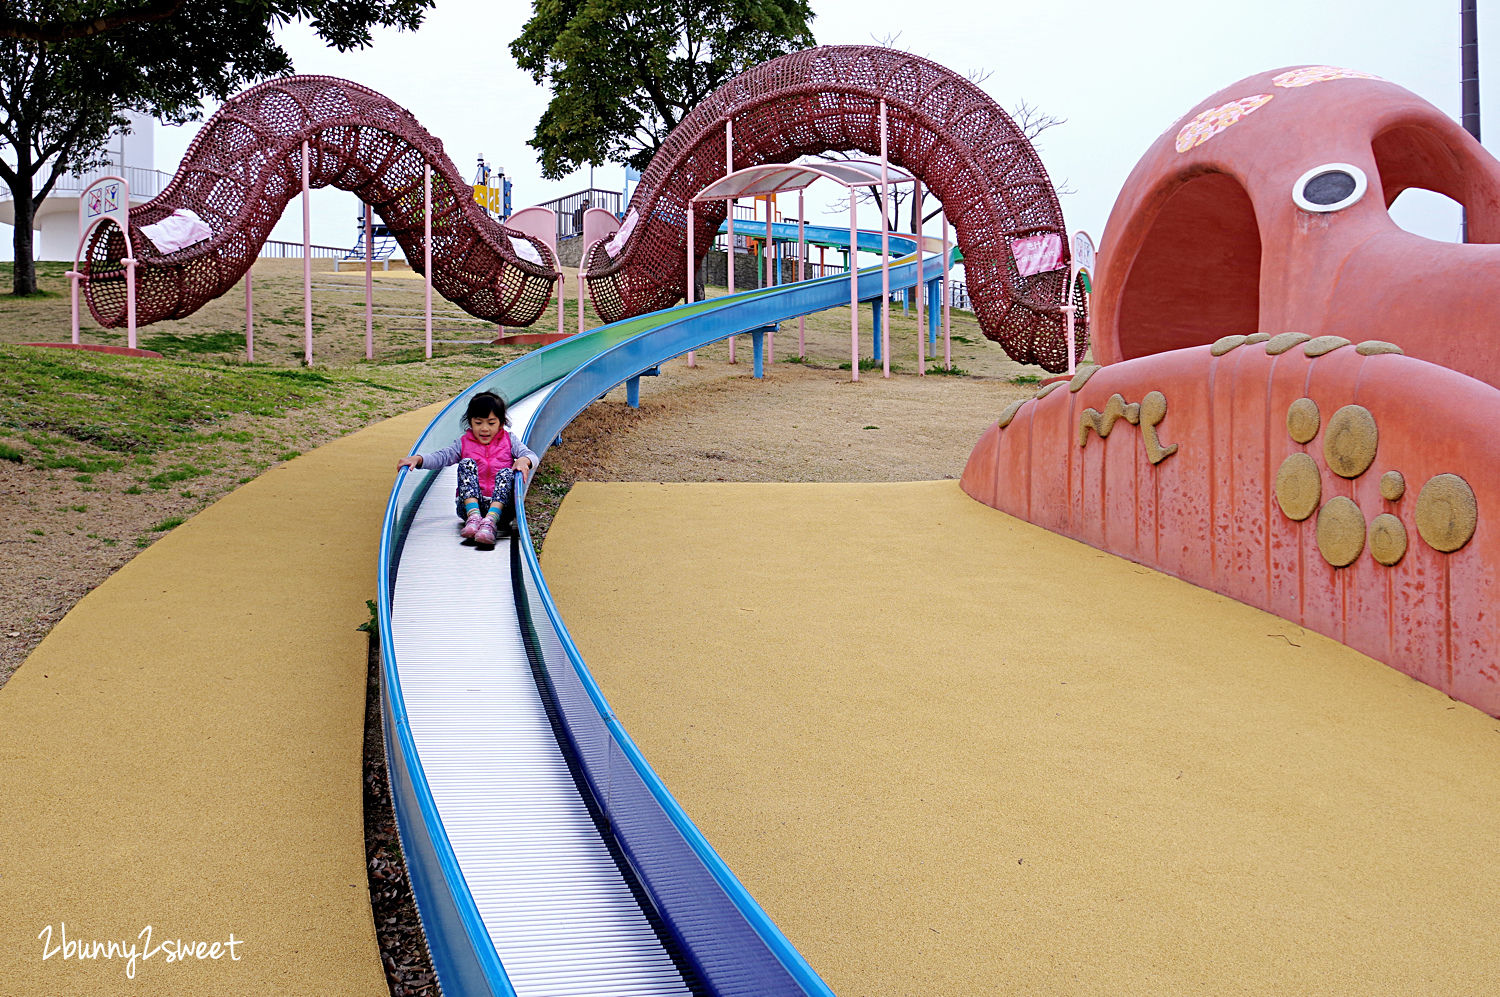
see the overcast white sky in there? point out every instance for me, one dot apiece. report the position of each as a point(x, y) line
point(1120, 73)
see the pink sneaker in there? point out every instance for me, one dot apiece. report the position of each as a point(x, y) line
point(485, 535)
point(471, 526)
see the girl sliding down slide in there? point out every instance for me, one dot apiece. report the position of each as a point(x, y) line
point(488, 456)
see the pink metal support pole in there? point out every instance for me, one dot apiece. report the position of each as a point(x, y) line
point(916, 210)
point(947, 304)
point(885, 250)
point(427, 248)
point(73, 278)
point(369, 286)
point(770, 243)
point(307, 344)
point(692, 268)
point(770, 272)
point(562, 289)
point(801, 276)
point(130, 301)
point(250, 316)
point(853, 288)
point(1069, 309)
point(692, 262)
point(729, 257)
point(582, 291)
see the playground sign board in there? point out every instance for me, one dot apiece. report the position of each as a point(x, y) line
point(107, 197)
point(1083, 251)
point(1037, 253)
point(1083, 260)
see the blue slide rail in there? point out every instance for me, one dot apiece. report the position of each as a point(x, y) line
point(729, 939)
point(901, 243)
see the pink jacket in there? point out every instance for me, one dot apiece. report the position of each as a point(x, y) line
point(496, 456)
point(503, 451)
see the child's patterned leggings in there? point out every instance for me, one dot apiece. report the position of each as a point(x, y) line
point(468, 487)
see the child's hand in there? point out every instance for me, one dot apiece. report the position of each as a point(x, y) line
point(414, 461)
point(525, 466)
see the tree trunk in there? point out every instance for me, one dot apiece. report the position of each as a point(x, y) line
point(23, 279)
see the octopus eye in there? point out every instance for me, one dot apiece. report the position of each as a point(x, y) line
point(1330, 187)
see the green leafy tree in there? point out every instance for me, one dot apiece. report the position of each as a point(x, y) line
point(623, 73)
point(68, 68)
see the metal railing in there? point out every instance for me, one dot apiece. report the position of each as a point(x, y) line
point(571, 207)
point(143, 183)
point(277, 250)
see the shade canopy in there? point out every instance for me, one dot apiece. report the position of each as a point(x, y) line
point(774, 177)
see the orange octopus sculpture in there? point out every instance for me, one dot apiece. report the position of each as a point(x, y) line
point(1265, 209)
point(1256, 429)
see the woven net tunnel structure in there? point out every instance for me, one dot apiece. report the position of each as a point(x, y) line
point(940, 127)
point(244, 168)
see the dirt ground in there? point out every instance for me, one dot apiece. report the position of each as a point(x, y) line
point(62, 533)
point(717, 423)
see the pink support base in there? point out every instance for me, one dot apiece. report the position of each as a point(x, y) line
point(119, 351)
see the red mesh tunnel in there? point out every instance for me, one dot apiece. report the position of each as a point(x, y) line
point(245, 166)
point(941, 127)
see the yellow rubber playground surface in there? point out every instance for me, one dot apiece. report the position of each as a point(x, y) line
point(185, 752)
point(950, 753)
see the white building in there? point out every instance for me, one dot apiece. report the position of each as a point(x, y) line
point(131, 156)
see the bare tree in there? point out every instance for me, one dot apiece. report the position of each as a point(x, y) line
point(1031, 121)
point(1029, 118)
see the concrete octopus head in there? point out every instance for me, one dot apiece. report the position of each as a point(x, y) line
point(1265, 209)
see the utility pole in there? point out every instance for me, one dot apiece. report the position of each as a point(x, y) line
point(1469, 49)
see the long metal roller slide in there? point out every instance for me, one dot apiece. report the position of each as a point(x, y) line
point(545, 855)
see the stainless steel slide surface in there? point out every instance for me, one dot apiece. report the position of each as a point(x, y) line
point(554, 900)
point(544, 854)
